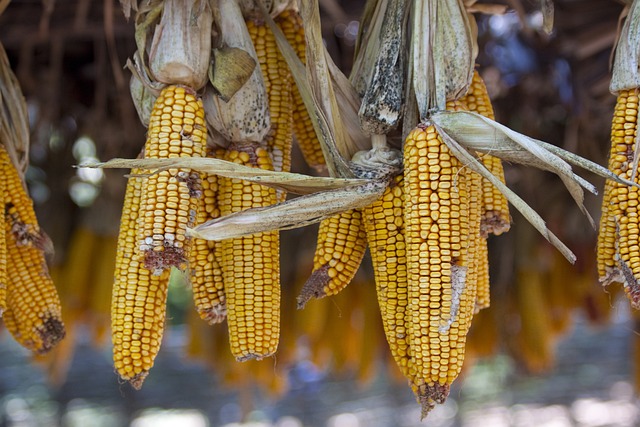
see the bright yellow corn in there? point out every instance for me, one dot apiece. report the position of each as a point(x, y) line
point(618, 253)
point(32, 298)
point(250, 264)
point(496, 218)
point(341, 245)
point(204, 259)
point(170, 199)
point(439, 241)
point(138, 303)
point(384, 223)
point(279, 83)
point(292, 26)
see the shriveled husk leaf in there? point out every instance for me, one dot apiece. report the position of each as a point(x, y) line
point(316, 89)
point(472, 129)
point(146, 19)
point(181, 48)
point(368, 44)
point(231, 69)
point(14, 120)
point(143, 98)
point(294, 213)
point(479, 133)
point(382, 102)
point(531, 215)
point(245, 116)
point(286, 181)
point(442, 50)
point(626, 63)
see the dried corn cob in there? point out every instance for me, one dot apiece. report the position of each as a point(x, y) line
point(384, 223)
point(441, 299)
point(204, 259)
point(496, 219)
point(341, 245)
point(170, 200)
point(483, 297)
point(278, 81)
point(138, 304)
point(32, 299)
point(292, 26)
point(250, 265)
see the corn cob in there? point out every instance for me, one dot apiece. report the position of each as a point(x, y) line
point(290, 22)
point(341, 245)
point(170, 199)
point(384, 223)
point(438, 242)
point(496, 219)
point(250, 265)
point(32, 298)
point(204, 259)
point(619, 223)
point(278, 82)
point(138, 304)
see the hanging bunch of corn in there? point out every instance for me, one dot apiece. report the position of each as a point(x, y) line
point(618, 257)
point(425, 210)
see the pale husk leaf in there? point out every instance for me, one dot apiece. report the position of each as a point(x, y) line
point(14, 120)
point(443, 53)
point(368, 44)
point(143, 98)
point(529, 213)
point(626, 63)
point(479, 133)
point(286, 181)
point(181, 47)
point(245, 117)
point(319, 98)
point(295, 213)
point(231, 69)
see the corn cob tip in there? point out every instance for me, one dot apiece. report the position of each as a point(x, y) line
point(493, 223)
point(137, 381)
point(252, 356)
point(51, 332)
point(314, 286)
point(428, 395)
point(214, 314)
point(631, 285)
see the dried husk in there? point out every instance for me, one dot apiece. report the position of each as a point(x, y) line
point(382, 102)
point(368, 44)
point(245, 116)
point(442, 51)
point(231, 69)
point(626, 63)
point(286, 181)
point(14, 120)
point(181, 48)
point(143, 99)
